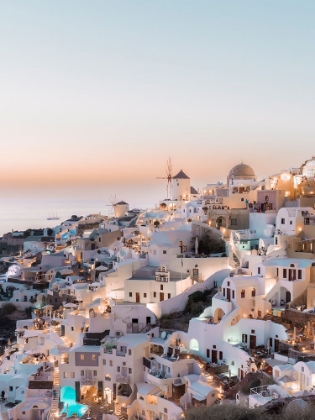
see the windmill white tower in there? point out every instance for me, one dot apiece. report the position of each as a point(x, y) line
point(118, 208)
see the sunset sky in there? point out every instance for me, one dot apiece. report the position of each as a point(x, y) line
point(100, 93)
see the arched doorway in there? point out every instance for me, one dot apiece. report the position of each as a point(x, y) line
point(218, 315)
point(285, 296)
point(194, 345)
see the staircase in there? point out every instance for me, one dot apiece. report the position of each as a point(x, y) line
point(54, 406)
point(4, 416)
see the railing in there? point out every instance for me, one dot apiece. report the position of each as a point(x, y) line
point(124, 379)
point(120, 353)
point(87, 381)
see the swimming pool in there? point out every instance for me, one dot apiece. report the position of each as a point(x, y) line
point(67, 396)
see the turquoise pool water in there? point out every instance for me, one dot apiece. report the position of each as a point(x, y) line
point(67, 396)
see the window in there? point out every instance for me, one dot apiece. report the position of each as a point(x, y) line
point(130, 294)
point(118, 369)
point(94, 372)
point(244, 338)
point(223, 291)
point(208, 353)
point(233, 294)
point(129, 352)
point(104, 362)
point(72, 375)
point(233, 222)
point(110, 363)
point(65, 374)
point(252, 331)
point(154, 294)
point(284, 273)
point(10, 388)
point(130, 370)
point(243, 293)
point(164, 251)
point(168, 296)
point(72, 329)
point(253, 292)
point(165, 410)
point(299, 274)
point(220, 355)
point(161, 287)
point(283, 221)
point(144, 295)
point(258, 270)
point(82, 372)
point(81, 356)
point(228, 283)
point(291, 222)
point(302, 368)
point(214, 346)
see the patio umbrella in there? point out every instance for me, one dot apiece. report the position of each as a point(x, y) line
point(196, 245)
point(101, 268)
point(70, 305)
point(33, 352)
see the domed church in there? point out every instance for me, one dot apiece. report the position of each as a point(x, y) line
point(241, 172)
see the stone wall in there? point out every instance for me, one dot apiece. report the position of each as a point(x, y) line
point(297, 318)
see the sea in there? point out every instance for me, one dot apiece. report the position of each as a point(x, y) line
point(23, 213)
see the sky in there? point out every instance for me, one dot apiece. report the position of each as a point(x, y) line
point(95, 96)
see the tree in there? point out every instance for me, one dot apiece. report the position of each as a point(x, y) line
point(211, 244)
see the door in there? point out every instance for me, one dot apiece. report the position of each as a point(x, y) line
point(228, 294)
point(138, 297)
point(252, 341)
point(276, 345)
point(214, 357)
point(161, 297)
point(287, 297)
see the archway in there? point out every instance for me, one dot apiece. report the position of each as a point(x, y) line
point(194, 345)
point(218, 315)
point(285, 296)
point(220, 222)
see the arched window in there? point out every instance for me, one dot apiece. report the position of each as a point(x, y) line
point(243, 293)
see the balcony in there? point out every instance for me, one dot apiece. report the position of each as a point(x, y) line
point(123, 379)
point(87, 381)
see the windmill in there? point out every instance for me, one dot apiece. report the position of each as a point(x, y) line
point(113, 202)
point(168, 177)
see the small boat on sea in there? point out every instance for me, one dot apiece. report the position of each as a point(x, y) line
point(53, 217)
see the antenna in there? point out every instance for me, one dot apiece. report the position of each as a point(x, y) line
point(113, 202)
point(168, 177)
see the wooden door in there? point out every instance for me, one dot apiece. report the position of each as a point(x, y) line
point(252, 341)
point(228, 294)
point(138, 297)
point(161, 297)
point(214, 357)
